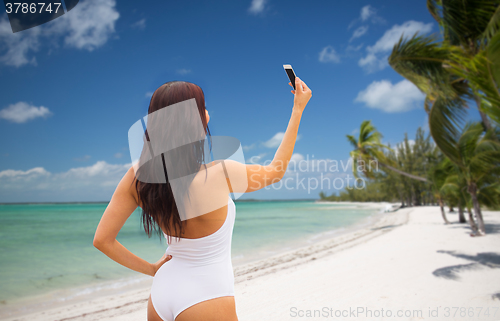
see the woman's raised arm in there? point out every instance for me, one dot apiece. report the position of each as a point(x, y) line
point(260, 176)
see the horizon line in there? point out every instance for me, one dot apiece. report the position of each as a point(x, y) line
point(103, 202)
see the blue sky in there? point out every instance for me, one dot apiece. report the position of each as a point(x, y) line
point(71, 88)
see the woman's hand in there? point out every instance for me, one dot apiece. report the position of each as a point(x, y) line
point(302, 94)
point(156, 266)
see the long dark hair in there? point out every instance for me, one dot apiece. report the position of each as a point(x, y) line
point(159, 208)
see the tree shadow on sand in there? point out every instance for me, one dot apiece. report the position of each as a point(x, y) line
point(479, 261)
point(490, 228)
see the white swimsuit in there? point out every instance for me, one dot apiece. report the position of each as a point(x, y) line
point(200, 269)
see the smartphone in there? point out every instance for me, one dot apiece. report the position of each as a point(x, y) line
point(290, 74)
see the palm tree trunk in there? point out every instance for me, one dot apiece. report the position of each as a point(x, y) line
point(479, 215)
point(403, 173)
point(461, 216)
point(418, 196)
point(401, 197)
point(442, 212)
point(477, 209)
point(473, 225)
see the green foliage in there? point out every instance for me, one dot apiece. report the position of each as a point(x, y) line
point(375, 191)
point(477, 163)
point(464, 65)
point(463, 167)
point(410, 157)
point(367, 147)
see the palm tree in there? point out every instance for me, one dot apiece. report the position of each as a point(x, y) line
point(464, 65)
point(477, 155)
point(393, 183)
point(438, 175)
point(455, 186)
point(368, 149)
point(411, 158)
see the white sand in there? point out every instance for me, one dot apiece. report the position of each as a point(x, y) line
point(409, 262)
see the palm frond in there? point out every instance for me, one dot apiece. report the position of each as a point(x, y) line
point(352, 140)
point(467, 20)
point(368, 133)
point(490, 195)
point(493, 56)
point(492, 27)
point(420, 59)
point(484, 159)
point(434, 7)
point(427, 104)
point(445, 122)
point(482, 73)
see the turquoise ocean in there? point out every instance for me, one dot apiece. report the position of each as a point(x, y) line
point(46, 248)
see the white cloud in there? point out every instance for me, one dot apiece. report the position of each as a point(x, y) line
point(17, 44)
point(141, 24)
point(183, 71)
point(359, 32)
point(149, 94)
point(352, 48)
point(392, 35)
point(275, 141)
point(296, 157)
point(390, 98)
point(257, 6)
point(24, 174)
point(118, 155)
point(88, 26)
point(328, 54)
point(376, 58)
point(100, 168)
point(246, 148)
point(22, 112)
point(372, 62)
point(367, 13)
point(95, 182)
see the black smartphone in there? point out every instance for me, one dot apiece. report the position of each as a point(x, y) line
point(290, 74)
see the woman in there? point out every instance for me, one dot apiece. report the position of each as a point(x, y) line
point(194, 279)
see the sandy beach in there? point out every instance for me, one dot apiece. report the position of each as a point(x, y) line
point(406, 265)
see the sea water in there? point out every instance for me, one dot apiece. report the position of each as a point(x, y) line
point(48, 247)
